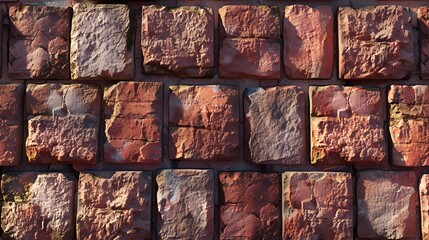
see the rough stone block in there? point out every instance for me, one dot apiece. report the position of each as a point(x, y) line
point(424, 205)
point(102, 42)
point(308, 49)
point(204, 122)
point(250, 206)
point(409, 123)
point(63, 123)
point(185, 204)
point(185, 49)
point(423, 23)
point(317, 205)
point(39, 42)
point(386, 205)
point(275, 125)
point(347, 125)
point(38, 205)
point(133, 117)
point(114, 205)
point(375, 42)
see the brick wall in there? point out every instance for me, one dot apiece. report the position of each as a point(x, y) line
point(206, 120)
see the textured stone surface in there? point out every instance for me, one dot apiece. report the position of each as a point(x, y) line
point(386, 205)
point(424, 205)
point(11, 104)
point(133, 117)
point(204, 122)
point(250, 206)
point(39, 42)
point(178, 41)
point(101, 42)
point(423, 19)
point(317, 205)
point(63, 123)
point(185, 204)
point(38, 205)
point(275, 125)
point(308, 49)
point(114, 205)
point(409, 123)
point(375, 42)
point(347, 125)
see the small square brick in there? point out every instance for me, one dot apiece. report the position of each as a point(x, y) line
point(424, 205)
point(38, 205)
point(347, 125)
point(185, 49)
point(102, 44)
point(185, 204)
point(375, 42)
point(124, 197)
point(133, 117)
point(423, 23)
point(317, 205)
point(63, 123)
point(275, 125)
point(39, 42)
point(204, 122)
point(386, 205)
point(250, 205)
point(308, 49)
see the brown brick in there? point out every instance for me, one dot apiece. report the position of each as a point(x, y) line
point(423, 23)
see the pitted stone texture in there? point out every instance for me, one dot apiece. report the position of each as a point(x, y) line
point(114, 205)
point(250, 21)
point(101, 42)
point(133, 113)
point(178, 41)
point(185, 204)
point(347, 125)
point(275, 125)
point(409, 124)
point(204, 122)
point(386, 205)
point(38, 205)
point(63, 123)
point(317, 205)
point(39, 42)
point(250, 206)
point(308, 49)
point(375, 42)
point(11, 105)
point(424, 205)
point(423, 19)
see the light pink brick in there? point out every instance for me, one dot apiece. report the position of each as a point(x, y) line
point(424, 205)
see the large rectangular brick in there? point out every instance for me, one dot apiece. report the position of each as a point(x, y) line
point(386, 205)
point(185, 204)
point(38, 205)
point(204, 122)
point(250, 205)
point(424, 205)
point(102, 44)
point(63, 122)
point(347, 125)
point(317, 205)
point(185, 49)
point(423, 23)
point(375, 42)
point(308, 49)
point(114, 205)
point(39, 42)
point(133, 117)
point(275, 125)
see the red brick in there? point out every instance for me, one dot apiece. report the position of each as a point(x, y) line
point(124, 197)
point(133, 117)
point(386, 205)
point(39, 42)
point(275, 125)
point(308, 49)
point(423, 21)
point(347, 125)
point(424, 205)
point(375, 42)
point(184, 50)
point(250, 206)
point(204, 122)
point(317, 205)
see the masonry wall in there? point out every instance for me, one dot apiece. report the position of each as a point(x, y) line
point(208, 120)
